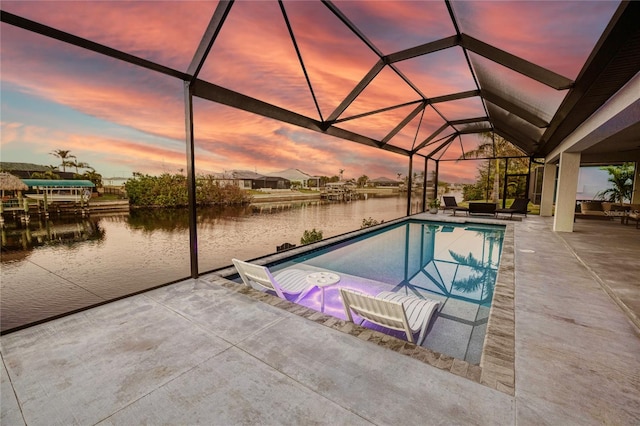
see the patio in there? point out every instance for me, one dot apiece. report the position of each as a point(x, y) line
point(199, 352)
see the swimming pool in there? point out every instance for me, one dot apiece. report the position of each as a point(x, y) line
point(455, 264)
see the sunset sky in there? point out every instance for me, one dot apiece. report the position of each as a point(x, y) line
point(120, 118)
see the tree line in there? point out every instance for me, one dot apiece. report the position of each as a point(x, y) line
point(170, 190)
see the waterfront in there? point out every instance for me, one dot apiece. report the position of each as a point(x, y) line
point(50, 267)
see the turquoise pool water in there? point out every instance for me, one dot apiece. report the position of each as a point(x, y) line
point(424, 258)
point(456, 264)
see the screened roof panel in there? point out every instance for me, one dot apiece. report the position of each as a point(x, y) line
point(105, 92)
point(335, 58)
point(471, 145)
point(452, 151)
point(461, 108)
point(254, 55)
point(533, 31)
point(248, 138)
point(431, 122)
point(536, 98)
point(407, 137)
point(505, 118)
point(471, 127)
point(379, 125)
point(168, 35)
point(395, 25)
point(437, 144)
point(254, 68)
point(108, 110)
point(377, 96)
point(439, 73)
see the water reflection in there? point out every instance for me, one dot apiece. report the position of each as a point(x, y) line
point(173, 220)
point(421, 259)
point(481, 273)
point(460, 262)
point(53, 266)
point(19, 238)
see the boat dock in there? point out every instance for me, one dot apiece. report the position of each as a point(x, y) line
point(26, 210)
point(338, 191)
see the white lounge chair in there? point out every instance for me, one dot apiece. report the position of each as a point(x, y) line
point(391, 310)
point(292, 282)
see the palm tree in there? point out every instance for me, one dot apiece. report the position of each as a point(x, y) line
point(64, 156)
point(482, 276)
point(493, 146)
point(79, 164)
point(622, 179)
point(94, 177)
point(483, 271)
point(341, 172)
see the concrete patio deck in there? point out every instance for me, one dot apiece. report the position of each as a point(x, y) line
point(198, 352)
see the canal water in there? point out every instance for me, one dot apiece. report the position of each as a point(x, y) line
point(54, 266)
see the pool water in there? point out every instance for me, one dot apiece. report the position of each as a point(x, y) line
point(456, 264)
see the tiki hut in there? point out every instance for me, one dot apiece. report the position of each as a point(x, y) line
point(9, 182)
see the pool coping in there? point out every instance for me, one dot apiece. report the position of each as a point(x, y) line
point(497, 365)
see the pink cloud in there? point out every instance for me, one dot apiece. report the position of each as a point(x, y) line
point(105, 154)
point(164, 32)
point(458, 171)
point(461, 108)
point(439, 73)
point(255, 56)
point(396, 25)
point(556, 35)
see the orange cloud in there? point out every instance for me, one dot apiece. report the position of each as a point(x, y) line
point(164, 32)
point(254, 55)
point(556, 35)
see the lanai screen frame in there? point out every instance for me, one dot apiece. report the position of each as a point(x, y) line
point(565, 119)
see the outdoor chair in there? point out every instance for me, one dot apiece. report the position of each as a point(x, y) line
point(391, 310)
point(482, 208)
point(519, 206)
point(634, 216)
point(285, 246)
point(451, 204)
point(289, 282)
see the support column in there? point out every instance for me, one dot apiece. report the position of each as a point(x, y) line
point(436, 176)
point(548, 189)
point(567, 189)
point(409, 185)
point(191, 179)
point(635, 195)
point(424, 185)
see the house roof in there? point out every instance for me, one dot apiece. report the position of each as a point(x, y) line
point(9, 182)
point(28, 167)
point(383, 179)
point(249, 175)
point(292, 174)
point(244, 174)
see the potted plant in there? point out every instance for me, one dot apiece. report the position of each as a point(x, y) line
point(434, 205)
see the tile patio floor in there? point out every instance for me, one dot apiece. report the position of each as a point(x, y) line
point(198, 352)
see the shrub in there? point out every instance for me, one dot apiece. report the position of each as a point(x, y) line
point(369, 222)
point(169, 190)
point(312, 236)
